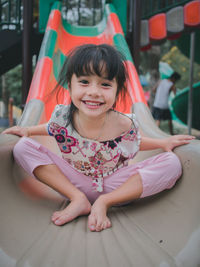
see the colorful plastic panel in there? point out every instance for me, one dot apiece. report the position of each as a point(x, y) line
point(175, 20)
point(144, 38)
point(192, 14)
point(157, 27)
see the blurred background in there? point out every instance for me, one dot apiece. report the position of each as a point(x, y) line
point(22, 27)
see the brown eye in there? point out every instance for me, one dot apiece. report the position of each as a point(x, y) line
point(105, 85)
point(84, 82)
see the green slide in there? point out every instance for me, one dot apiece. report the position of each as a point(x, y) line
point(179, 106)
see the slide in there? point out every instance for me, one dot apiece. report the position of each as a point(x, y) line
point(163, 230)
point(179, 106)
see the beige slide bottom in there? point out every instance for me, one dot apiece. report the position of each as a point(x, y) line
point(163, 230)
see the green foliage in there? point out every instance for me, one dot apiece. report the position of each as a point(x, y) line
point(13, 84)
point(181, 64)
point(168, 52)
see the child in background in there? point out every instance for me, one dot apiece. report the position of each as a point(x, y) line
point(160, 106)
point(96, 142)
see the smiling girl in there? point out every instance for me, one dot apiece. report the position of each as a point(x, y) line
point(96, 143)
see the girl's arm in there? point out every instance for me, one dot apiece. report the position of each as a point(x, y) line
point(27, 131)
point(167, 144)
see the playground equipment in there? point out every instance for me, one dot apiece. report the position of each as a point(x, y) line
point(170, 24)
point(179, 106)
point(163, 230)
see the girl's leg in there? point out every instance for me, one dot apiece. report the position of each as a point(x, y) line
point(40, 162)
point(158, 123)
point(147, 178)
point(79, 204)
point(128, 191)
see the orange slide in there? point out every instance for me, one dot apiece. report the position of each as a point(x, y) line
point(60, 38)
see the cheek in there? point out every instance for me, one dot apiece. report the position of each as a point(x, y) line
point(114, 94)
point(72, 92)
point(111, 97)
point(75, 97)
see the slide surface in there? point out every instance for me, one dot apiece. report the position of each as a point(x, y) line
point(163, 230)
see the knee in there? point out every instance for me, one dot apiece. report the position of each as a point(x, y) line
point(173, 159)
point(174, 164)
point(20, 148)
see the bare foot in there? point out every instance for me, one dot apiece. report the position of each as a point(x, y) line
point(98, 220)
point(77, 207)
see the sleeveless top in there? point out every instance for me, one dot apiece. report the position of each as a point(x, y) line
point(97, 159)
point(162, 94)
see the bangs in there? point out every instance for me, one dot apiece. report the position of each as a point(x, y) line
point(93, 60)
point(91, 68)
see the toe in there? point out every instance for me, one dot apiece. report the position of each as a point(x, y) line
point(99, 226)
point(58, 222)
point(92, 223)
point(61, 220)
point(55, 216)
point(106, 224)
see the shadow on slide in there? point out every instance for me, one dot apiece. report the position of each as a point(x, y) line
point(163, 230)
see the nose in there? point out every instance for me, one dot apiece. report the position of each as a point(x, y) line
point(94, 90)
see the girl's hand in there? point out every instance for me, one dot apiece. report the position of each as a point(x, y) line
point(176, 140)
point(17, 130)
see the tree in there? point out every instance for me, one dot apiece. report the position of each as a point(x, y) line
point(10, 85)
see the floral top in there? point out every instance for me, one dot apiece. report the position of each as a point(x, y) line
point(97, 159)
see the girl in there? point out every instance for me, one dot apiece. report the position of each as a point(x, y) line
point(96, 143)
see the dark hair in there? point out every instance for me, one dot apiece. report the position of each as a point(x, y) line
point(90, 59)
point(175, 76)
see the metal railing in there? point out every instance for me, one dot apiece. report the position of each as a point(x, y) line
point(153, 7)
point(10, 14)
point(83, 12)
point(80, 12)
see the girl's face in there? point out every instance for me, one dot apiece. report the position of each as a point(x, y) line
point(93, 95)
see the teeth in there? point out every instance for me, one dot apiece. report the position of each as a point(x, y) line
point(92, 104)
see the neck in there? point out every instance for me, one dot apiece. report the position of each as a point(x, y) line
point(92, 122)
point(90, 127)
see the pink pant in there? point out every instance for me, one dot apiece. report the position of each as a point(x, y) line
point(158, 173)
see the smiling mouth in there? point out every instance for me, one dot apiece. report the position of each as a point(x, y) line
point(92, 103)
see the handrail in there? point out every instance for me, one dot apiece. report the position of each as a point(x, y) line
point(11, 14)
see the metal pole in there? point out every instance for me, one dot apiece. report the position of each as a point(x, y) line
point(136, 32)
point(79, 15)
point(94, 13)
point(190, 100)
point(130, 15)
point(129, 35)
point(26, 48)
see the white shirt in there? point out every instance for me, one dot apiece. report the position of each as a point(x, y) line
point(162, 94)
